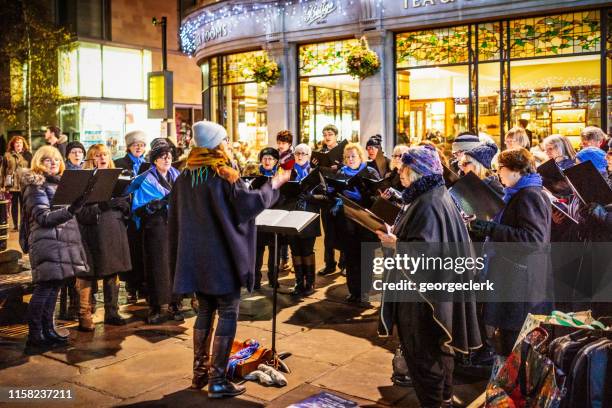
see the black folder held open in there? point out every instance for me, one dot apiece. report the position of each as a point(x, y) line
point(362, 216)
point(589, 184)
point(553, 178)
point(74, 183)
point(475, 197)
point(330, 158)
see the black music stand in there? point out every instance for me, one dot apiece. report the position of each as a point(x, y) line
point(285, 223)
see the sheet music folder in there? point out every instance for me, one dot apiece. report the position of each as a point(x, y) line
point(284, 222)
point(589, 184)
point(475, 197)
point(74, 183)
point(330, 158)
point(362, 216)
point(553, 178)
point(386, 210)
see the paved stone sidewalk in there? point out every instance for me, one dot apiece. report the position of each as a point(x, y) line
point(334, 348)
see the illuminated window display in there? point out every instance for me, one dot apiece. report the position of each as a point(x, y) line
point(327, 94)
point(237, 102)
point(96, 71)
point(451, 79)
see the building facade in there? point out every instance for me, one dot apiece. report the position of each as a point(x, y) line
point(104, 72)
point(447, 66)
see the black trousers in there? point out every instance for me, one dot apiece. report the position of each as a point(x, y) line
point(134, 279)
point(431, 369)
point(15, 206)
point(302, 246)
point(227, 307)
point(266, 240)
point(328, 240)
point(42, 306)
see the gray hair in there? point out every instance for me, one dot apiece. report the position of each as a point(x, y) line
point(562, 144)
point(592, 133)
point(303, 148)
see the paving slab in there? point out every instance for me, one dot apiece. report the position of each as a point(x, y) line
point(141, 373)
point(39, 370)
point(81, 397)
point(364, 380)
point(324, 344)
point(307, 390)
point(176, 394)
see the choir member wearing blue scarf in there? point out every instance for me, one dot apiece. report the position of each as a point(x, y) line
point(147, 187)
point(301, 171)
point(136, 162)
point(354, 193)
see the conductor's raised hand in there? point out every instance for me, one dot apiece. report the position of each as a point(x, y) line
point(280, 179)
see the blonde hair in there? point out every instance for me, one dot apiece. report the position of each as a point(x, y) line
point(413, 176)
point(519, 136)
point(354, 146)
point(46, 152)
point(90, 162)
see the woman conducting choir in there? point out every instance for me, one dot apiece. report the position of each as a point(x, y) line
point(210, 196)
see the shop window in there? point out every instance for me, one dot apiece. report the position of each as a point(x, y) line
point(442, 46)
point(571, 33)
point(326, 58)
point(94, 70)
point(489, 41)
point(236, 102)
point(489, 101)
point(556, 96)
point(327, 94)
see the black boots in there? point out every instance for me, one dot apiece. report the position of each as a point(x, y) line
point(309, 274)
point(298, 289)
point(201, 357)
point(218, 384)
point(111, 302)
point(304, 267)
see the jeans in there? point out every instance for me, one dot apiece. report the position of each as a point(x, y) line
point(226, 306)
point(42, 306)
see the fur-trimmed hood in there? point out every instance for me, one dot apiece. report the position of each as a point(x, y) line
point(28, 177)
point(62, 139)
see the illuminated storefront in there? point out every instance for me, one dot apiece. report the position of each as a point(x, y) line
point(447, 67)
point(234, 101)
point(109, 89)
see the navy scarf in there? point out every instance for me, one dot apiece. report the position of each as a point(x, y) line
point(421, 186)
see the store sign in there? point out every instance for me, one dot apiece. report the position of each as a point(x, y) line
point(210, 33)
point(425, 3)
point(316, 12)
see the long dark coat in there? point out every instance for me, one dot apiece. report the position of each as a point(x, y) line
point(54, 240)
point(212, 233)
point(526, 218)
point(105, 239)
point(433, 217)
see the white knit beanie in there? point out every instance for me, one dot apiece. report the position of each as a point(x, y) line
point(208, 134)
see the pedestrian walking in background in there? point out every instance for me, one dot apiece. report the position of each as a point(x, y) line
point(16, 159)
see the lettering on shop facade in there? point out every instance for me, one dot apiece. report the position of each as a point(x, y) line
point(317, 12)
point(425, 3)
point(214, 32)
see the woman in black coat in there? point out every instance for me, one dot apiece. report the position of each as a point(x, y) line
point(211, 230)
point(526, 218)
point(52, 238)
point(150, 208)
point(302, 245)
point(103, 229)
point(350, 234)
point(134, 163)
point(431, 331)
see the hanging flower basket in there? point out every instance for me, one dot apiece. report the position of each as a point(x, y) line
point(361, 61)
point(262, 69)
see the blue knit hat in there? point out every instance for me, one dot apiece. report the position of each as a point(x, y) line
point(465, 142)
point(483, 154)
point(424, 160)
point(595, 155)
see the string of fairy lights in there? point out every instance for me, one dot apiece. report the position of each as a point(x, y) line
point(212, 23)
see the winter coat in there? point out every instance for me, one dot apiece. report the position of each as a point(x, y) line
point(212, 232)
point(12, 164)
point(493, 183)
point(151, 204)
point(433, 217)
point(54, 241)
point(305, 202)
point(104, 233)
point(526, 218)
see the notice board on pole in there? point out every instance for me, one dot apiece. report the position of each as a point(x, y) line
point(160, 96)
